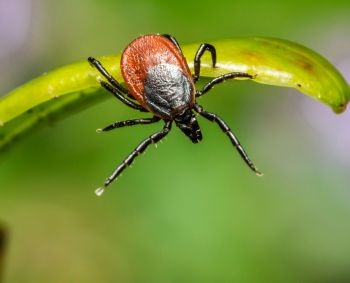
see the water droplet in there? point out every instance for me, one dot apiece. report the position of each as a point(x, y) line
point(99, 191)
point(259, 174)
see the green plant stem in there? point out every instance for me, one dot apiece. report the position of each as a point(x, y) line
point(71, 88)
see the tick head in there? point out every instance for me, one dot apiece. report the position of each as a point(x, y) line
point(188, 124)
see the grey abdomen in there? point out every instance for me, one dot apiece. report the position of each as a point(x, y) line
point(167, 90)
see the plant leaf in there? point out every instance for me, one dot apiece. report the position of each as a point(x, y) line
point(272, 61)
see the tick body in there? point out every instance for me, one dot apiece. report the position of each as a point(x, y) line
point(158, 76)
point(159, 81)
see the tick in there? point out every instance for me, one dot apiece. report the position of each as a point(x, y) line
point(158, 80)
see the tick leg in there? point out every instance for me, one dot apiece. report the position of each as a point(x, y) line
point(137, 151)
point(97, 64)
point(197, 59)
point(225, 128)
point(173, 40)
point(129, 123)
point(116, 92)
point(221, 79)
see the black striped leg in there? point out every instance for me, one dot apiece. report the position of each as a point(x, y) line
point(197, 59)
point(122, 98)
point(225, 128)
point(221, 79)
point(173, 40)
point(129, 123)
point(156, 137)
point(97, 64)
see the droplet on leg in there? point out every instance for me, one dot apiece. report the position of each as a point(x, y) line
point(99, 191)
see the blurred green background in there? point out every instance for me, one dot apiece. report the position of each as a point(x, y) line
point(183, 212)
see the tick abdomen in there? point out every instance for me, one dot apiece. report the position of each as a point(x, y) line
point(167, 91)
point(143, 59)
